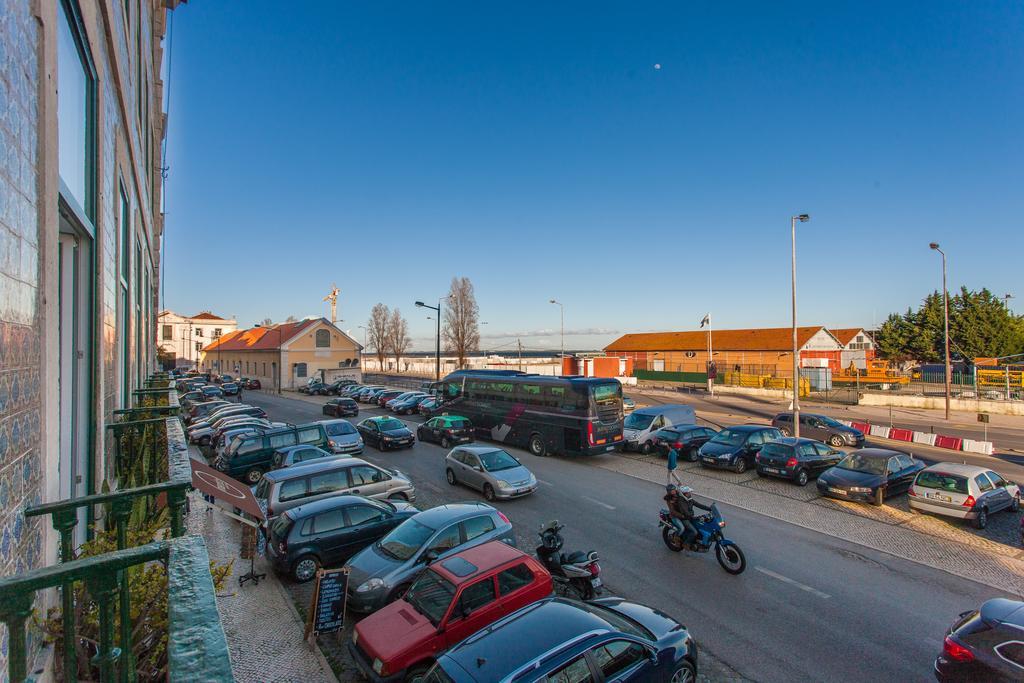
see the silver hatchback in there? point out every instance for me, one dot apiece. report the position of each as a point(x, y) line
point(493, 471)
point(962, 491)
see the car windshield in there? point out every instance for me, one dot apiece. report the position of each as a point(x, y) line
point(730, 437)
point(830, 422)
point(617, 620)
point(942, 481)
point(262, 489)
point(390, 424)
point(638, 421)
point(340, 428)
point(495, 461)
point(405, 539)
point(430, 596)
point(858, 463)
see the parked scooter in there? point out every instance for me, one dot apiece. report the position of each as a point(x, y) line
point(709, 533)
point(578, 570)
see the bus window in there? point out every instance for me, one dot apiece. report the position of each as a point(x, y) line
point(530, 394)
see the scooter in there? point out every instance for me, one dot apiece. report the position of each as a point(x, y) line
point(578, 570)
point(709, 533)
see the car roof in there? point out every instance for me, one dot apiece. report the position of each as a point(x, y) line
point(478, 449)
point(749, 428)
point(956, 468)
point(312, 467)
point(445, 514)
point(483, 558)
point(289, 449)
point(330, 503)
point(1003, 610)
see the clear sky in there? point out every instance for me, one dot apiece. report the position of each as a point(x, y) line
point(538, 149)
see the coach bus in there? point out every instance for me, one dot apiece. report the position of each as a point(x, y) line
point(567, 415)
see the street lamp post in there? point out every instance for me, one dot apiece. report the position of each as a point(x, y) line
point(363, 350)
point(437, 352)
point(485, 350)
point(945, 308)
point(561, 309)
point(803, 218)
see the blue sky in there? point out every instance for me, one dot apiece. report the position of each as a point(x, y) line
point(536, 149)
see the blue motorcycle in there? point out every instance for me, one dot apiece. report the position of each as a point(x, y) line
point(709, 530)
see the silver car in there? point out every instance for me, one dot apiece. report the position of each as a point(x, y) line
point(962, 491)
point(342, 437)
point(493, 471)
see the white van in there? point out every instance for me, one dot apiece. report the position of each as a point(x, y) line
point(640, 425)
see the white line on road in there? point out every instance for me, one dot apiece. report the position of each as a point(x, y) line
point(546, 483)
point(786, 579)
point(597, 502)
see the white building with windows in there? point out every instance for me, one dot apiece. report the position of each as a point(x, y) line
point(187, 336)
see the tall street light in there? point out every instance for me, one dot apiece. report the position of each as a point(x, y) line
point(945, 306)
point(363, 350)
point(803, 218)
point(437, 357)
point(562, 313)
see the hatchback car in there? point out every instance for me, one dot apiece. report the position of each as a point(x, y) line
point(229, 388)
point(869, 475)
point(628, 405)
point(685, 439)
point(822, 428)
point(327, 532)
point(341, 407)
point(446, 430)
point(342, 437)
point(450, 601)
point(565, 641)
point(382, 397)
point(962, 491)
point(429, 406)
point(298, 455)
point(383, 433)
point(384, 571)
point(985, 644)
point(211, 391)
point(736, 448)
point(798, 460)
point(493, 471)
point(365, 394)
point(409, 405)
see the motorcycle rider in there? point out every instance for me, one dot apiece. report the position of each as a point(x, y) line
point(680, 509)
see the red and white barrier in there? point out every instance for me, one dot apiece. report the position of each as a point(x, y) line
point(954, 443)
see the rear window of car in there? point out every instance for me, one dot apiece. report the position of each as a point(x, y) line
point(458, 424)
point(281, 526)
point(777, 449)
point(340, 428)
point(941, 481)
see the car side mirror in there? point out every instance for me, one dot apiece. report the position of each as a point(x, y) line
point(429, 556)
point(465, 611)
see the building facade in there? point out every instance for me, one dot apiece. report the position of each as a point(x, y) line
point(285, 355)
point(80, 223)
point(185, 337)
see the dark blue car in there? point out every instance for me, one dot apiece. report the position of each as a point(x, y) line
point(870, 475)
point(561, 639)
point(736, 448)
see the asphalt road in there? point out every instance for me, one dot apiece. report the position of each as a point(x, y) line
point(809, 606)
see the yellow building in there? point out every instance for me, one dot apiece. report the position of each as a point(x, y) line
point(285, 355)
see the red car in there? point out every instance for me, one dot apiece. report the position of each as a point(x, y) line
point(450, 601)
point(385, 396)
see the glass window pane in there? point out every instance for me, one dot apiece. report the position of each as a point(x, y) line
point(478, 526)
point(292, 489)
point(477, 595)
point(328, 481)
point(618, 656)
point(514, 578)
point(72, 99)
point(329, 521)
point(575, 671)
point(363, 514)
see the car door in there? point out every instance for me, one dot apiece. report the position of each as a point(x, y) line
point(330, 536)
point(364, 525)
point(1002, 494)
point(371, 434)
point(827, 457)
point(751, 448)
point(472, 471)
point(908, 471)
point(808, 457)
point(621, 660)
point(474, 607)
point(367, 480)
point(988, 497)
point(430, 429)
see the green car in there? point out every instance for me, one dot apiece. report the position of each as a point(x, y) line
point(447, 430)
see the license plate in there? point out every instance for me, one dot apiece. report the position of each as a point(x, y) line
point(839, 491)
point(596, 583)
point(610, 448)
point(772, 470)
point(709, 459)
point(939, 496)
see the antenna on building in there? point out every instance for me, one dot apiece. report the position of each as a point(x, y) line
point(333, 298)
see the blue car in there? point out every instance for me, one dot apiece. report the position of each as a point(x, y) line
point(564, 640)
point(736, 448)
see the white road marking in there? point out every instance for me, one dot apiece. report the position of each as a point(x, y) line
point(546, 483)
point(597, 502)
point(786, 579)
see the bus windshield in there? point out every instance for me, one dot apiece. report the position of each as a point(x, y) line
point(606, 392)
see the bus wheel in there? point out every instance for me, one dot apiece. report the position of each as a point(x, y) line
point(537, 446)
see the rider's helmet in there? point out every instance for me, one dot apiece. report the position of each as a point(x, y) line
point(671, 488)
point(686, 491)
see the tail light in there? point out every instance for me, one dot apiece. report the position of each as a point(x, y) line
point(791, 462)
point(956, 651)
point(594, 569)
point(911, 492)
point(677, 445)
point(503, 517)
point(969, 503)
point(590, 433)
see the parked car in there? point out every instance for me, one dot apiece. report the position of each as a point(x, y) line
point(342, 437)
point(736, 448)
point(220, 444)
point(229, 410)
point(382, 572)
point(639, 426)
point(299, 455)
point(211, 391)
point(203, 408)
point(493, 471)
point(249, 457)
point(870, 475)
point(406, 406)
point(383, 433)
point(351, 390)
point(450, 601)
point(284, 489)
point(327, 532)
point(821, 428)
point(429, 406)
point(798, 460)
point(383, 397)
point(446, 430)
point(564, 641)
point(210, 435)
point(364, 394)
point(252, 383)
point(311, 388)
point(984, 645)
point(628, 405)
point(389, 404)
point(229, 389)
point(685, 439)
point(341, 407)
point(190, 398)
point(962, 491)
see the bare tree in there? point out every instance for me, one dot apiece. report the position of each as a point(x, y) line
point(461, 320)
point(267, 322)
point(398, 336)
point(291, 319)
point(377, 331)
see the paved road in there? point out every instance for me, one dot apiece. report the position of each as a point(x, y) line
point(809, 607)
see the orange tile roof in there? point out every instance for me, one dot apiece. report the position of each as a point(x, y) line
point(845, 335)
point(206, 315)
point(259, 338)
point(766, 339)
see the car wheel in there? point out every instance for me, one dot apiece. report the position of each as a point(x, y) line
point(740, 467)
point(253, 476)
point(400, 497)
point(835, 440)
point(801, 478)
point(304, 568)
point(692, 455)
point(450, 476)
point(1015, 504)
point(785, 431)
point(445, 443)
point(417, 673)
point(981, 521)
point(684, 673)
point(645, 448)
point(537, 446)
point(488, 492)
point(879, 497)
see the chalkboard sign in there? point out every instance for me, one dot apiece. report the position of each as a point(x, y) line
point(327, 612)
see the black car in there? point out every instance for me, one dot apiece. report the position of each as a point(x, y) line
point(229, 388)
point(384, 433)
point(251, 384)
point(870, 475)
point(336, 387)
point(797, 459)
point(736, 448)
point(446, 430)
point(341, 407)
point(312, 389)
point(685, 439)
point(327, 532)
point(210, 391)
point(985, 644)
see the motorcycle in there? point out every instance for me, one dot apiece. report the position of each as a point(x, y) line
point(709, 530)
point(578, 571)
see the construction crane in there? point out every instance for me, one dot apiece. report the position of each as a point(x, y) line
point(333, 298)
